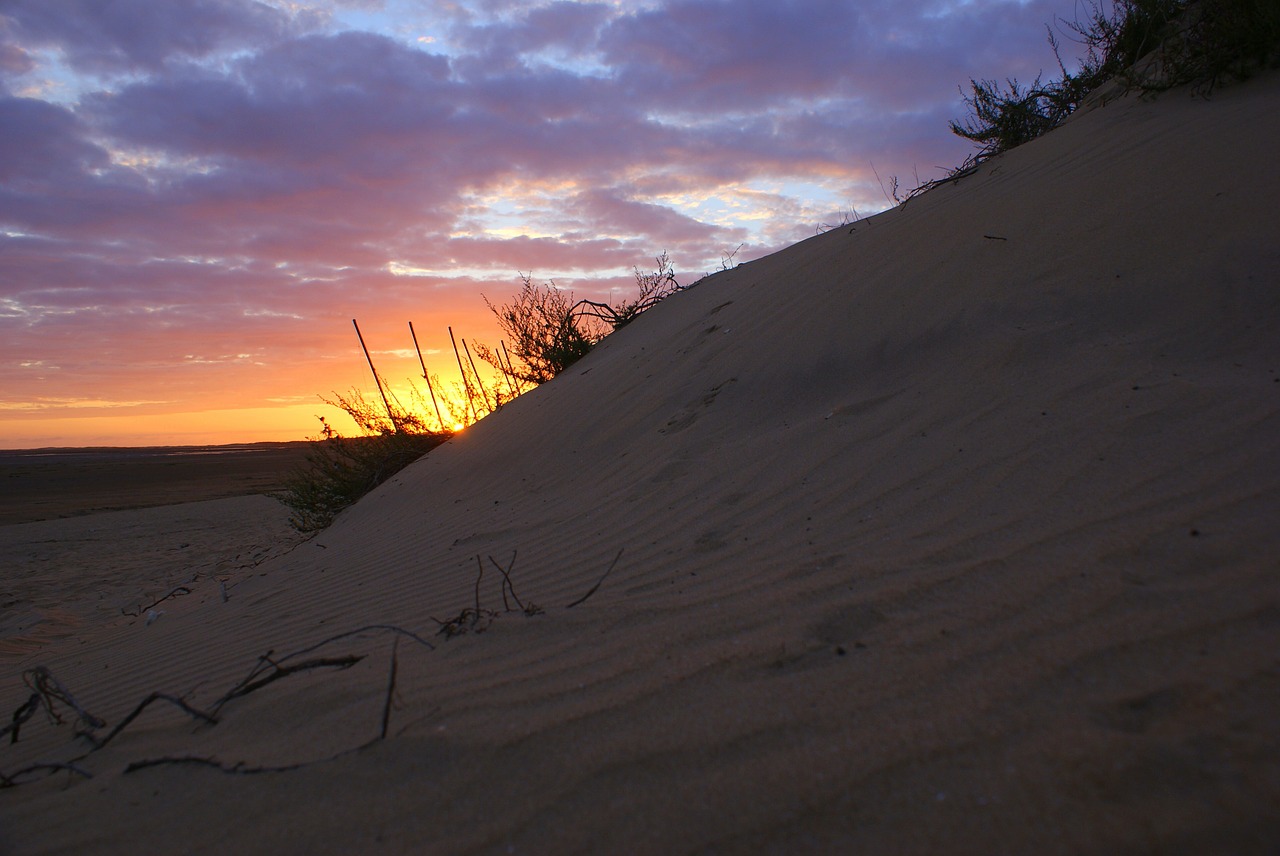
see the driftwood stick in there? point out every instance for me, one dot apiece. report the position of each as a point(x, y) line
point(192, 761)
point(506, 582)
point(266, 660)
point(466, 384)
point(238, 768)
point(530, 608)
point(20, 716)
point(145, 703)
point(176, 591)
point(253, 673)
point(46, 690)
point(391, 691)
point(592, 590)
point(484, 393)
point(509, 371)
point(246, 687)
point(50, 690)
point(431, 389)
point(506, 605)
point(376, 378)
point(9, 780)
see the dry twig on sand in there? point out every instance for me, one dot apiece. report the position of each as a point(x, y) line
point(592, 590)
point(176, 591)
point(269, 669)
point(475, 619)
point(391, 691)
point(254, 682)
point(528, 609)
point(238, 768)
point(143, 705)
point(24, 712)
point(10, 780)
point(49, 690)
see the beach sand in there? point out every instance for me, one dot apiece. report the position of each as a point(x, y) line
point(949, 530)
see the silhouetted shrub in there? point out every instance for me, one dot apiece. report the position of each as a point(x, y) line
point(341, 469)
point(653, 288)
point(549, 332)
point(545, 337)
point(1004, 117)
point(1151, 45)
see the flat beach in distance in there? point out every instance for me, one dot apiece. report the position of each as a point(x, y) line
point(89, 535)
point(43, 484)
point(950, 530)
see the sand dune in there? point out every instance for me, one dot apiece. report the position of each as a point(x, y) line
point(950, 530)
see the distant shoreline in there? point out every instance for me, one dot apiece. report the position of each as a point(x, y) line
point(147, 451)
point(55, 482)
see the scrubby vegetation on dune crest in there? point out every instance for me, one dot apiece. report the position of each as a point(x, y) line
point(549, 331)
point(1149, 45)
point(341, 469)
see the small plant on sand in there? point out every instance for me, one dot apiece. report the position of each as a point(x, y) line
point(550, 332)
point(1004, 117)
point(545, 336)
point(342, 469)
point(653, 288)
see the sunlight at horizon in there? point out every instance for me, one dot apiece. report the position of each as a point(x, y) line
point(193, 211)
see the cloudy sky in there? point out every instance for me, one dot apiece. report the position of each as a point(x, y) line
point(197, 196)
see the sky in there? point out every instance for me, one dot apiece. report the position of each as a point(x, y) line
point(198, 196)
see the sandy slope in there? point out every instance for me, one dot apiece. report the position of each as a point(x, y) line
point(950, 530)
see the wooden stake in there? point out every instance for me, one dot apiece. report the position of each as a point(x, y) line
point(425, 377)
point(483, 392)
point(465, 383)
point(510, 372)
point(390, 414)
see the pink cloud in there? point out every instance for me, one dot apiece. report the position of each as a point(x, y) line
point(245, 186)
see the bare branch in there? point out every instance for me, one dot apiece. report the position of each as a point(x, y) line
point(154, 697)
point(592, 590)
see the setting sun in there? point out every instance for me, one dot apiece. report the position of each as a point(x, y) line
point(255, 188)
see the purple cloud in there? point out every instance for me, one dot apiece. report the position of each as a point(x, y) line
point(248, 176)
point(128, 35)
point(40, 142)
point(14, 60)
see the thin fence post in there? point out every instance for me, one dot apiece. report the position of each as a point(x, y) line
point(426, 377)
point(390, 414)
point(510, 372)
point(465, 383)
point(484, 393)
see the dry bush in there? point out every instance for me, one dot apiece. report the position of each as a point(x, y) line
point(1151, 45)
point(341, 469)
point(545, 337)
point(550, 332)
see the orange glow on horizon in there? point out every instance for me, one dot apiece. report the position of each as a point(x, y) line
point(268, 402)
